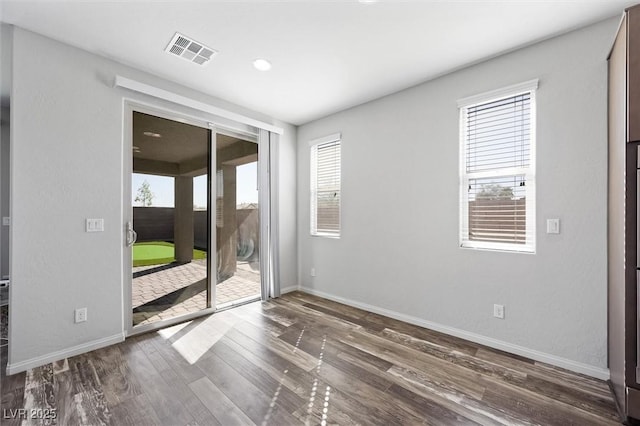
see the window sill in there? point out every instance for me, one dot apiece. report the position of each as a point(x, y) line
point(329, 236)
point(497, 247)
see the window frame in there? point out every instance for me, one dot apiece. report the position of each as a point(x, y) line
point(313, 145)
point(529, 172)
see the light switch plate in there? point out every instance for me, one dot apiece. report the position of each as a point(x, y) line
point(95, 225)
point(553, 226)
point(6, 221)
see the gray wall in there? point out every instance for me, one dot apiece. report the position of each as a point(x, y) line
point(399, 252)
point(5, 88)
point(4, 190)
point(287, 208)
point(67, 166)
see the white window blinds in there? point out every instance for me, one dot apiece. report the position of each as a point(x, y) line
point(325, 187)
point(497, 176)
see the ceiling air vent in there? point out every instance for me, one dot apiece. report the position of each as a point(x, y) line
point(190, 50)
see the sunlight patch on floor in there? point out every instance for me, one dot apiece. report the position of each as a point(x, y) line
point(200, 339)
point(167, 333)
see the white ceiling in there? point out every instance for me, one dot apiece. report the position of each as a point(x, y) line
point(326, 55)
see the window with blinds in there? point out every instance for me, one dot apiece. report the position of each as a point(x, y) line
point(325, 187)
point(497, 180)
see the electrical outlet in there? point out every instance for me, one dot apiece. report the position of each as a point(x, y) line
point(498, 311)
point(81, 315)
point(313, 272)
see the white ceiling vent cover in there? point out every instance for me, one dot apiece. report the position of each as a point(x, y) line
point(190, 50)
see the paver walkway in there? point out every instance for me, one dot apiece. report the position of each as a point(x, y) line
point(166, 291)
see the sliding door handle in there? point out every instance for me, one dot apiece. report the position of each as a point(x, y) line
point(132, 235)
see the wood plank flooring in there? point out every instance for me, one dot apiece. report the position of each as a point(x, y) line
point(301, 359)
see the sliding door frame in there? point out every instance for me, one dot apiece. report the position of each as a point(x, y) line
point(130, 107)
point(267, 165)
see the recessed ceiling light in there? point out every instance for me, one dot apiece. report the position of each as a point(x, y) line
point(367, 1)
point(262, 64)
point(153, 135)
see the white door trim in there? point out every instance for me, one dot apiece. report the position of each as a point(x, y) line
point(166, 95)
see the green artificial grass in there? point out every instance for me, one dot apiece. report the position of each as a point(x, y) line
point(158, 253)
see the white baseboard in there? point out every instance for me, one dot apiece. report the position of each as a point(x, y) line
point(21, 366)
point(578, 367)
point(289, 289)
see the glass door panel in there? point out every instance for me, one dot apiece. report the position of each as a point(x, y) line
point(170, 187)
point(237, 221)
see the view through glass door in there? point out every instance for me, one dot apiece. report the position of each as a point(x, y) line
point(237, 221)
point(170, 197)
point(189, 202)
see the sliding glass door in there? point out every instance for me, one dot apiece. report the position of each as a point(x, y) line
point(197, 218)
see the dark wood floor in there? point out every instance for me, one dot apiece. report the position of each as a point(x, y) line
point(304, 360)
